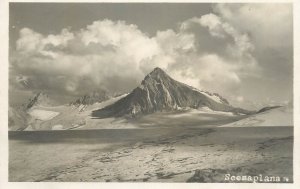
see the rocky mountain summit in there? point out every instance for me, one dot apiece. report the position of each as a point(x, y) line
point(159, 92)
point(39, 99)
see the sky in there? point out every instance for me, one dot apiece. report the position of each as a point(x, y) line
point(244, 52)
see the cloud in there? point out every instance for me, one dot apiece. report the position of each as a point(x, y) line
point(116, 56)
point(269, 25)
point(213, 23)
point(270, 29)
point(219, 28)
point(29, 41)
point(208, 72)
point(106, 54)
point(214, 52)
point(222, 56)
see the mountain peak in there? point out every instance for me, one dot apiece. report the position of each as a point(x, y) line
point(157, 71)
point(159, 92)
point(157, 75)
point(40, 98)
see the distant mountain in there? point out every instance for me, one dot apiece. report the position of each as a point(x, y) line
point(91, 98)
point(159, 92)
point(42, 112)
point(17, 118)
point(39, 99)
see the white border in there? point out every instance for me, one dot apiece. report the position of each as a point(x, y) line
point(4, 184)
point(160, 1)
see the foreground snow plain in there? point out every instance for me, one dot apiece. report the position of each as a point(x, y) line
point(151, 155)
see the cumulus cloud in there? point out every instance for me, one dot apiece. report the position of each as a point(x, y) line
point(270, 28)
point(219, 28)
point(29, 41)
point(116, 56)
point(213, 52)
point(209, 72)
point(109, 55)
point(217, 66)
point(270, 25)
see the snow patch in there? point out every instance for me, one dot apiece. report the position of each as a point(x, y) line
point(212, 97)
point(43, 115)
point(99, 105)
point(208, 110)
point(203, 110)
point(57, 127)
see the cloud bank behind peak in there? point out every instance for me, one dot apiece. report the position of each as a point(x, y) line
point(213, 51)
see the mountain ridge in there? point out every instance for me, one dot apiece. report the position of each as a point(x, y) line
point(91, 98)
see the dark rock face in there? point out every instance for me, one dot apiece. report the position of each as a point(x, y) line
point(91, 98)
point(267, 108)
point(39, 99)
point(159, 92)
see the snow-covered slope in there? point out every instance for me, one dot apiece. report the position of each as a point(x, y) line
point(42, 115)
point(70, 117)
point(281, 116)
point(213, 96)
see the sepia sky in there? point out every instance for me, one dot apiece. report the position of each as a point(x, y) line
point(242, 51)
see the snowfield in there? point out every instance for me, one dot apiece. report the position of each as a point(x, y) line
point(57, 127)
point(43, 115)
point(199, 111)
point(150, 155)
point(213, 97)
point(282, 116)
